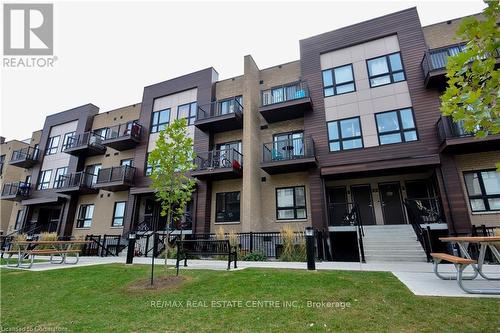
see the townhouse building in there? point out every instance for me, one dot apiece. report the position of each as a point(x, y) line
point(354, 121)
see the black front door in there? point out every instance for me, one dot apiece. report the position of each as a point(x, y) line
point(362, 195)
point(390, 198)
point(337, 205)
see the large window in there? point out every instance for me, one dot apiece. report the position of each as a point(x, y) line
point(94, 171)
point(44, 180)
point(85, 215)
point(160, 120)
point(339, 80)
point(396, 126)
point(385, 70)
point(2, 161)
point(19, 219)
point(66, 139)
point(483, 188)
point(118, 214)
point(52, 145)
point(291, 203)
point(59, 179)
point(230, 105)
point(227, 207)
point(345, 134)
point(187, 111)
point(101, 132)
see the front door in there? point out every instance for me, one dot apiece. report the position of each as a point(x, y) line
point(362, 195)
point(390, 198)
point(337, 205)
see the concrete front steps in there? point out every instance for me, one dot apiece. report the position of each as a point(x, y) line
point(392, 243)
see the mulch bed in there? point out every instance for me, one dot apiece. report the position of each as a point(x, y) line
point(159, 283)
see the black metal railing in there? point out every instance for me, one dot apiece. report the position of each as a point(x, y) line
point(219, 159)
point(348, 214)
point(28, 153)
point(78, 179)
point(123, 173)
point(284, 93)
point(289, 149)
point(132, 129)
point(447, 129)
point(219, 108)
point(84, 139)
point(16, 188)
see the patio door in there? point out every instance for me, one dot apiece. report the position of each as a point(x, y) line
point(362, 195)
point(390, 198)
point(289, 145)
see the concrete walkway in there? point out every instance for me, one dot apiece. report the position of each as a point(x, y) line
point(417, 276)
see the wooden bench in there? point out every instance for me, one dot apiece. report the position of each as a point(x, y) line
point(460, 265)
point(206, 247)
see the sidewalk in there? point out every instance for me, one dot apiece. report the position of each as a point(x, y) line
point(417, 276)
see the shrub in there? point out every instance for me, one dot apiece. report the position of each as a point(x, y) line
point(254, 256)
point(19, 238)
point(294, 245)
point(47, 236)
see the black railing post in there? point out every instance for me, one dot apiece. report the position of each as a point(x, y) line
point(251, 241)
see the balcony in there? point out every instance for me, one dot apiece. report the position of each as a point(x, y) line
point(218, 164)
point(86, 144)
point(220, 116)
point(25, 157)
point(289, 155)
point(79, 182)
point(435, 61)
point(16, 191)
point(454, 138)
point(285, 102)
point(115, 178)
point(123, 136)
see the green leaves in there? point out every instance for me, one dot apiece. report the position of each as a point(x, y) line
point(473, 81)
point(171, 161)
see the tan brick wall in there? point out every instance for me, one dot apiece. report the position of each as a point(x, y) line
point(479, 161)
point(229, 136)
point(229, 88)
point(281, 74)
point(267, 134)
point(443, 33)
point(103, 213)
point(117, 116)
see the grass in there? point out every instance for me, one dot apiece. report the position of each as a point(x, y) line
point(3, 261)
point(96, 298)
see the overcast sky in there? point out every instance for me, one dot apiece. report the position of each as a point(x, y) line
point(107, 52)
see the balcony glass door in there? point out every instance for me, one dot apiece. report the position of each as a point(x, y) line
point(288, 146)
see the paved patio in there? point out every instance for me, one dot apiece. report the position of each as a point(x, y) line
point(417, 276)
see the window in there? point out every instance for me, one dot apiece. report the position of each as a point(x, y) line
point(52, 145)
point(101, 132)
point(187, 111)
point(385, 70)
point(19, 219)
point(396, 126)
point(227, 207)
point(2, 161)
point(118, 214)
point(67, 140)
point(94, 171)
point(230, 105)
point(288, 146)
point(59, 177)
point(160, 120)
point(85, 216)
point(44, 181)
point(149, 168)
point(291, 203)
point(483, 189)
point(129, 162)
point(345, 134)
point(339, 80)
point(35, 152)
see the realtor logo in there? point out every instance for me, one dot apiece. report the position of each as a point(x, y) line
point(28, 29)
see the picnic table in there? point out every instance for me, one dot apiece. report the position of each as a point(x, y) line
point(461, 263)
point(60, 249)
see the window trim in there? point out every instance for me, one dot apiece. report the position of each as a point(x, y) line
point(334, 81)
point(400, 124)
point(390, 72)
point(294, 207)
point(225, 193)
point(119, 217)
point(49, 147)
point(160, 124)
point(483, 196)
point(80, 222)
point(189, 116)
point(340, 139)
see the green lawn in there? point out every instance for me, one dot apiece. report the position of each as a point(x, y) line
point(96, 299)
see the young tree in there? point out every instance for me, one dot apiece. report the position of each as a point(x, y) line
point(473, 81)
point(171, 161)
